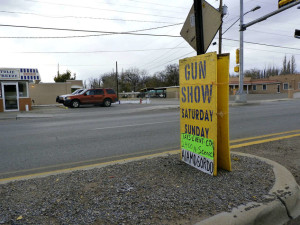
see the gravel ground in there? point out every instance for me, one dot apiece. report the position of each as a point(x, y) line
point(161, 190)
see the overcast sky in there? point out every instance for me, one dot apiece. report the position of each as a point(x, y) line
point(91, 56)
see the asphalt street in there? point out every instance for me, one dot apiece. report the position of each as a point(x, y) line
point(72, 137)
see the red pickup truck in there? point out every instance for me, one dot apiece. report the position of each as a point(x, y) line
point(98, 96)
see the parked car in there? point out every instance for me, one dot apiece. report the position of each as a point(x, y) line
point(60, 99)
point(98, 96)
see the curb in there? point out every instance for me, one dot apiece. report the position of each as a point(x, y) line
point(285, 207)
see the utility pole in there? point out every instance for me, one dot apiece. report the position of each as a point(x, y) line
point(117, 80)
point(241, 88)
point(241, 97)
point(199, 27)
point(220, 29)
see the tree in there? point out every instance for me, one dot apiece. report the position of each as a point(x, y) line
point(94, 82)
point(64, 77)
point(289, 67)
point(172, 75)
point(109, 80)
point(130, 79)
point(270, 71)
point(284, 66)
point(157, 80)
point(253, 73)
point(293, 65)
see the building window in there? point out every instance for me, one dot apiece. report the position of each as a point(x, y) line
point(299, 85)
point(23, 91)
point(264, 87)
point(254, 87)
point(285, 86)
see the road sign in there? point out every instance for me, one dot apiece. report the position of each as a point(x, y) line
point(297, 33)
point(211, 24)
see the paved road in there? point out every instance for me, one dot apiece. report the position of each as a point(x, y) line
point(90, 135)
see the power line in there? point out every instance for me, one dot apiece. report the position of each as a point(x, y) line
point(172, 60)
point(283, 35)
point(271, 51)
point(101, 9)
point(176, 47)
point(91, 35)
point(130, 33)
point(138, 7)
point(81, 17)
point(101, 51)
point(255, 43)
point(88, 31)
point(256, 49)
point(151, 3)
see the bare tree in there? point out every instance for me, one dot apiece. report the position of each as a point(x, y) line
point(131, 79)
point(288, 67)
point(172, 75)
point(293, 65)
point(253, 73)
point(109, 80)
point(94, 82)
point(284, 66)
point(271, 71)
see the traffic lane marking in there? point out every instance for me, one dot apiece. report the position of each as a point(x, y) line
point(263, 141)
point(135, 125)
point(262, 136)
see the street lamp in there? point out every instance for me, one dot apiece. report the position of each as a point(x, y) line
point(252, 10)
point(241, 96)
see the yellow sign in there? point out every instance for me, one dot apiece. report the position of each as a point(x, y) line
point(198, 152)
point(199, 114)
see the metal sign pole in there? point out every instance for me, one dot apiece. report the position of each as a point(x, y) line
point(199, 27)
point(220, 30)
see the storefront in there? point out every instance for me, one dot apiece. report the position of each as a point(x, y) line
point(14, 92)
